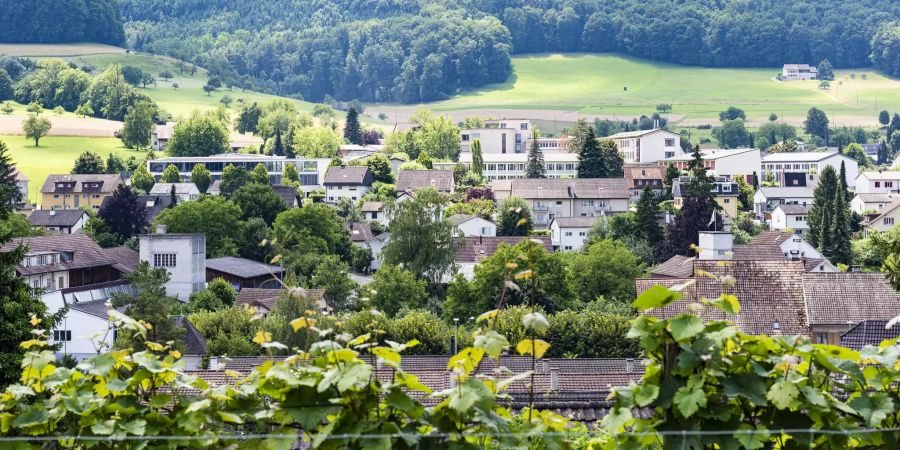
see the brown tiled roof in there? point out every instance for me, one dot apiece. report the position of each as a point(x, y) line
point(677, 266)
point(124, 257)
point(849, 298)
point(475, 249)
point(360, 231)
point(769, 292)
point(869, 332)
point(758, 252)
point(348, 175)
point(409, 180)
point(601, 188)
point(372, 206)
point(770, 237)
point(86, 252)
point(109, 183)
point(651, 176)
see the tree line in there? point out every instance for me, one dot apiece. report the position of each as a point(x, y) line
point(57, 21)
point(400, 51)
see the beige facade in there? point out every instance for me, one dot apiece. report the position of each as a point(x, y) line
point(77, 191)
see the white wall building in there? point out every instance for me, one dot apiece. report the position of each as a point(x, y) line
point(185, 192)
point(312, 170)
point(498, 136)
point(647, 146)
point(722, 162)
point(887, 218)
point(507, 167)
point(183, 256)
point(375, 212)
point(471, 226)
point(799, 72)
point(580, 197)
point(862, 203)
point(766, 198)
point(808, 162)
point(880, 182)
point(568, 234)
point(791, 218)
point(351, 182)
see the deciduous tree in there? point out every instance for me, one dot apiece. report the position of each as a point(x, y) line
point(88, 163)
point(170, 175)
point(123, 214)
point(36, 128)
point(201, 177)
point(199, 135)
point(138, 125)
point(421, 240)
point(515, 217)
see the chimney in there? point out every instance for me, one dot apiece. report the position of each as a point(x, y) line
point(52, 212)
point(452, 379)
point(161, 229)
point(378, 363)
point(554, 379)
point(716, 245)
point(545, 366)
point(629, 365)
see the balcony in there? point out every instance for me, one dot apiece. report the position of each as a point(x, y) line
point(540, 207)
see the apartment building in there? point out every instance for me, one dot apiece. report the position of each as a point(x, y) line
point(567, 234)
point(727, 163)
point(725, 190)
point(73, 191)
point(581, 197)
point(648, 146)
point(498, 136)
point(509, 167)
point(880, 182)
point(780, 164)
point(183, 255)
point(766, 198)
point(312, 170)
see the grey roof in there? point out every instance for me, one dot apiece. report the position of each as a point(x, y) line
point(554, 188)
point(849, 298)
point(126, 259)
point(359, 231)
point(108, 183)
point(868, 332)
point(794, 209)
point(601, 188)
point(348, 175)
point(268, 297)
point(194, 342)
point(801, 156)
point(787, 192)
point(575, 222)
point(677, 266)
point(54, 218)
point(287, 193)
point(180, 188)
point(241, 267)
point(458, 219)
point(878, 197)
point(408, 180)
point(96, 308)
point(372, 206)
point(638, 133)
point(85, 252)
point(770, 237)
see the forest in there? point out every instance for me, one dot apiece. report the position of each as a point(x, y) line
point(57, 21)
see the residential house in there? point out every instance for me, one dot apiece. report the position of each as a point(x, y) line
point(871, 203)
point(66, 221)
point(580, 197)
point(375, 212)
point(868, 332)
point(160, 135)
point(77, 191)
point(880, 182)
point(360, 233)
point(568, 234)
point(791, 218)
point(648, 146)
point(871, 150)
point(883, 220)
point(471, 251)
point(799, 72)
point(263, 300)
point(244, 273)
point(312, 170)
point(183, 255)
point(725, 190)
point(778, 164)
point(185, 192)
point(57, 262)
point(782, 297)
point(351, 182)
point(782, 245)
point(289, 195)
point(410, 180)
point(766, 198)
point(640, 177)
point(728, 163)
point(471, 226)
point(22, 183)
point(512, 166)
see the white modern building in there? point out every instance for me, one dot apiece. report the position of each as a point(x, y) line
point(471, 226)
point(512, 166)
point(868, 203)
point(791, 218)
point(779, 164)
point(183, 256)
point(185, 192)
point(727, 163)
point(312, 170)
point(799, 72)
point(880, 182)
point(498, 136)
point(567, 234)
point(648, 146)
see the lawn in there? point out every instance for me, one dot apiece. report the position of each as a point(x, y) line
point(596, 84)
point(56, 154)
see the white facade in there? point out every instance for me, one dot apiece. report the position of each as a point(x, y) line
point(508, 167)
point(727, 163)
point(568, 235)
point(790, 218)
point(647, 146)
point(765, 199)
point(808, 162)
point(878, 182)
point(886, 219)
point(498, 136)
point(862, 203)
point(183, 256)
point(312, 170)
point(799, 72)
point(184, 191)
point(377, 244)
point(334, 194)
point(474, 227)
point(716, 245)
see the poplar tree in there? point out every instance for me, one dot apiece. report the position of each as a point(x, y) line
point(534, 168)
point(839, 249)
point(821, 213)
point(477, 158)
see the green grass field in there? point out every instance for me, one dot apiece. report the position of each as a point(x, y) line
point(595, 84)
point(56, 154)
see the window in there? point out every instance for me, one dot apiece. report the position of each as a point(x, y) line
point(62, 335)
point(888, 220)
point(888, 184)
point(878, 184)
point(670, 154)
point(568, 247)
point(726, 200)
point(582, 233)
point(465, 138)
point(164, 260)
point(568, 233)
point(523, 126)
point(670, 142)
point(375, 215)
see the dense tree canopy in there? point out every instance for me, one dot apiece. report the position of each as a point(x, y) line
point(40, 21)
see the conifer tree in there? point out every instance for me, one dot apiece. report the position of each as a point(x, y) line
point(259, 174)
point(173, 197)
point(352, 131)
point(646, 218)
point(613, 162)
point(278, 147)
point(883, 152)
point(477, 158)
point(821, 213)
point(590, 160)
point(699, 212)
point(842, 183)
point(839, 250)
point(534, 168)
point(170, 175)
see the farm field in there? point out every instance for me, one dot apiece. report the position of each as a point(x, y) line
point(56, 154)
point(594, 85)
